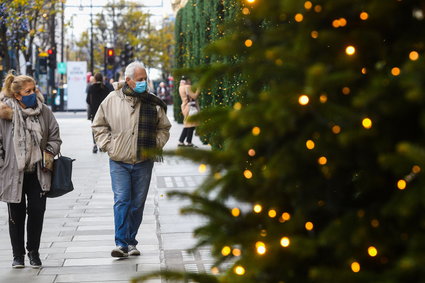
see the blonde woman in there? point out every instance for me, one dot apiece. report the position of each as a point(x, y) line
point(29, 139)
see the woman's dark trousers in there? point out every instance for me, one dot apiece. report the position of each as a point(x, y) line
point(187, 134)
point(31, 193)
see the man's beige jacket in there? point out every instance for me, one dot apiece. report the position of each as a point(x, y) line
point(115, 127)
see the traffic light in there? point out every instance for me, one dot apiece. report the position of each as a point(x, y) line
point(122, 59)
point(128, 55)
point(51, 53)
point(110, 56)
point(42, 65)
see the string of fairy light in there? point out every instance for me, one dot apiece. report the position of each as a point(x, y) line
point(260, 246)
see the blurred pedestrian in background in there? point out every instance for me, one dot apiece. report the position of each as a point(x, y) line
point(131, 124)
point(96, 93)
point(89, 83)
point(29, 139)
point(163, 92)
point(189, 108)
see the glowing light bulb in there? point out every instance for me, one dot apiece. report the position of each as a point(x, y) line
point(416, 169)
point(256, 131)
point(374, 223)
point(237, 106)
point(346, 90)
point(308, 5)
point(225, 251)
point(323, 98)
point(372, 251)
point(202, 168)
point(342, 22)
point(299, 17)
point(285, 242)
point(309, 226)
point(355, 267)
point(364, 16)
point(247, 174)
point(322, 160)
point(286, 216)
point(251, 152)
point(401, 184)
point(261, 248)
point(272, 213)
point(350, 50)
point(250, 1)
point(367, 123)
point(236, 252)
point(364, 71)
point(248, 43)
point(314, 34)
point(245, 11)
point(303, 99)
point(336, 129)
point(413, 55)
point(395, 71)
point(318, 8)
point(310, 144)
point(236, 212)
point(214, 270)
point(239, 270)
point(257, 208)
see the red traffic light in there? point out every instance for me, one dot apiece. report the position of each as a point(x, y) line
point(50, 51)
point(110, 52)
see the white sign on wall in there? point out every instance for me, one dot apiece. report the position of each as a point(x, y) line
point(76, 74)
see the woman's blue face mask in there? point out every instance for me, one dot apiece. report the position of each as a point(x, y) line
point(141, 87)
point(29, 100)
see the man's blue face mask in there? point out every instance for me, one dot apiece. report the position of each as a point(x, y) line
point(29, 100)
point(141, 87)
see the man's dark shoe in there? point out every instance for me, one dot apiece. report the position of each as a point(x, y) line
point(119, 252)
point(18, 262)
point(95, 149)
point(34, 259)
point(132, 250)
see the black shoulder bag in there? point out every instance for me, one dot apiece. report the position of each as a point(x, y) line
point(61, 177)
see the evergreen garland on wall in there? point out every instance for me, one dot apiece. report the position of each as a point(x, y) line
point(198, 24)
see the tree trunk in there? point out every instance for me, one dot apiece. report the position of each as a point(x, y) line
point(4, 48)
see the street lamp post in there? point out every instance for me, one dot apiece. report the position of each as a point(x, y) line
point(91, 39)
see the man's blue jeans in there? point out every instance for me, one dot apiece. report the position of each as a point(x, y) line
point(130, 184)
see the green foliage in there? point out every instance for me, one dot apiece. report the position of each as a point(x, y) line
point(198, 24)
point(22, 23)
point(359, 186)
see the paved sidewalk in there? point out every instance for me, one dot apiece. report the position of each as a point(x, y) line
point(78, 232)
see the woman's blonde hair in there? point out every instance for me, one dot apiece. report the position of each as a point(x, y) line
point(13, 84)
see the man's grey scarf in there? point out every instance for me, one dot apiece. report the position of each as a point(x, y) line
point(148, 120)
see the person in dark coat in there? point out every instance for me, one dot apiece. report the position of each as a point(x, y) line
point(97, 92)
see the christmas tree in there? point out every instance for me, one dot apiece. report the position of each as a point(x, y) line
point(322, 153)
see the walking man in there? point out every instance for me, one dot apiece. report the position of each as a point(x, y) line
point(132, 126)
point(96, 93)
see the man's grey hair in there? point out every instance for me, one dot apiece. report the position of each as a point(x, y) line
point(129, 71)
